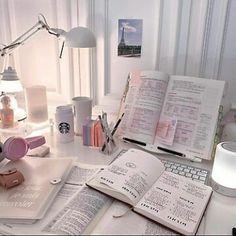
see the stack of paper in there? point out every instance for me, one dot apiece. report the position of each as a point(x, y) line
point(92, 133)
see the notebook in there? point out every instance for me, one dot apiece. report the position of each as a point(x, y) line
point(30, 200)
point(139, 179)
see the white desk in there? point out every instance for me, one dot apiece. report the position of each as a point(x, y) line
point(220, 216)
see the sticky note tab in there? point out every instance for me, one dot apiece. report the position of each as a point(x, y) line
point(166, 131)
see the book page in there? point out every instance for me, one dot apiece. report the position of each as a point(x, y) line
point(132, 174)
point(79, 213)
point(176, 202)
point(127, 224)
point(77, 177)
point(65, 194)
point(192, 104)
point(142, 105)
point(81, 173)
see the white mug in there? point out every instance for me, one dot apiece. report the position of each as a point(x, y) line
point(82, 112)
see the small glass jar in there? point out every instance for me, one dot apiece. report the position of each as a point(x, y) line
point(6, 113)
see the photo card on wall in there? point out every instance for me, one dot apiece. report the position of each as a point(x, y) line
point(130, 37)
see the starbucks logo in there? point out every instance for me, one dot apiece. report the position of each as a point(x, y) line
point(64, 128)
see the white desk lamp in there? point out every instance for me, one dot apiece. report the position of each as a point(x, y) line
point(79, 37)
point(223, 178)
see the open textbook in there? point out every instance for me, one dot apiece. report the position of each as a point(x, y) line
point(175, 114)
point(139, 179)
point(30, 200)
point(75, 210)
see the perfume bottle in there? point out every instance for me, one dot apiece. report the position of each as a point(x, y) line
point(6, 113)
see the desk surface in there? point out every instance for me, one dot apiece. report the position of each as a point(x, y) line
point(221, 212)
point(220, 215)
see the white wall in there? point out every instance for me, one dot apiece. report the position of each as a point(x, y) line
point(186, 37)
point(121, 66)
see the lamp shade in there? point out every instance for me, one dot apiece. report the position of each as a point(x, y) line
point(10, 82)
point(224, 169)
point(80, 37)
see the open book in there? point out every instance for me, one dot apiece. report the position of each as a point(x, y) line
point(176, 114)
point(139, 179)
point(30, 200)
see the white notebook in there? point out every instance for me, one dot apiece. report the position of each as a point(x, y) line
point(30, 200)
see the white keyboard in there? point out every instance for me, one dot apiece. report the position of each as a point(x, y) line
point(194, 173)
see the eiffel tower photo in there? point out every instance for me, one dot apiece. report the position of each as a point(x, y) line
point(130, 37)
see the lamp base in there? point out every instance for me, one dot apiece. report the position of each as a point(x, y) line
point(230, 192)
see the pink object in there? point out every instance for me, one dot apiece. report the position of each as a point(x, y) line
point(11, 178)
point(16, 147)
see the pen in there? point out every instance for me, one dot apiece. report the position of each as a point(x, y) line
point(103, 131)
point(171, 151)
point(113, 130)
point(194, 159)
point(153, 148)
point(134, 141)
point(116, 125)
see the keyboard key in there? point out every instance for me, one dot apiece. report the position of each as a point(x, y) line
point(202, 178)
point(195, 177)
point(202, 174)
point(188, 175)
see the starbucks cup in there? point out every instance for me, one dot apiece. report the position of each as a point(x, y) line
point(64, 124)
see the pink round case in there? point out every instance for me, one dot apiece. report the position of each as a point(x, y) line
point(17, 147)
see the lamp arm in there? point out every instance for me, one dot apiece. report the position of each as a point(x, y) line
point(20, 40)
point(25, 36)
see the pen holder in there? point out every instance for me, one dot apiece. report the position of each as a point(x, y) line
point(109, 146)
